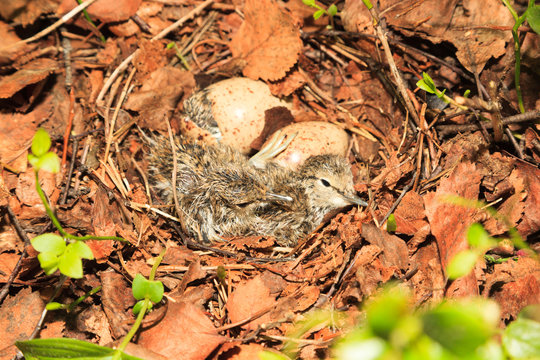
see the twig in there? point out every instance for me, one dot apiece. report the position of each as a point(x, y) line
point(115, 115)
point(54, 26)
point(393, 68)
point(70, 171)
point(69, 124)
point(451, 129)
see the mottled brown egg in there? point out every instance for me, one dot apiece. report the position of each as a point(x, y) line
point(312, 138)
point(231, 111)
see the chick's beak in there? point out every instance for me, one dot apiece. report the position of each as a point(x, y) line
point(353, 199)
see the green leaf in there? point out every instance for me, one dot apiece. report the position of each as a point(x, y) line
point(138, 287)
point(143, 288)
point(386, 311)
point(462, 327)
point(49, 162)
point(309, 2)
point(82, 250)
point(461, 264)
point(478, 237)
point(391, 225)
point(533, 18)
point(427, 84)
point(370, 348)
point(70, 265)
point(34, 161)
point(60, 349)
point(41, 143)
point(170, 45)
point(521, 339)
point(317, 14)
point(138, 307)
point(155, 291)
point(48, 242)
point(466, 93)
point(48, 262)
point(332, 10)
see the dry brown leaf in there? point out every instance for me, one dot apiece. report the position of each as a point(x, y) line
point(159, 95)
point(32, 73)
point(410, 214)
point(184, 332)
point(458, 23)
point(26, 11)
point(105, 10)
point(449, 223)
point(520, 285)
point(251, 299)
point(395, 252)
point(18, 317)
point(530, 222)
point(268, 40)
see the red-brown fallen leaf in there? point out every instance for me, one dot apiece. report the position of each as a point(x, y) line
point(54, 329)
point(428, 282)
point(268, 40)
point(93, 320)
point(287, 85)
point(307, 297)
point(185, 332)
point(116, 298)
point(7, 264)
point(152, 55)
point(32, 73)
point(105, 10)
point(26, 12)
point(26, 188)
point(464, 28)
point(512, 208)
point(395, 252)
point(105, 217)
point(251, 299)
point(159, 95)
point(449, 223)
point(520, 285)
point(8, 53)
point(530, 222)
point(194, 272)
point(463, 287)
point(19, 315)
point(369, 270)
point(410, 214)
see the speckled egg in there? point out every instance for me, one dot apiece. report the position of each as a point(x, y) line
point(312, 138)
point(231, 111)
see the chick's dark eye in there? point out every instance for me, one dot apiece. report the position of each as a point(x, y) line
point(325, 182)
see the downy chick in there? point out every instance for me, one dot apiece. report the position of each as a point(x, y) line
point(217, 190)
point(321, 186)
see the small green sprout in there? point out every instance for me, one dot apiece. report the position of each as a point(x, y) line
point(428, 85)
point(331, 11)
point(532, 15)
point(54, 253)
point(146, 289)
